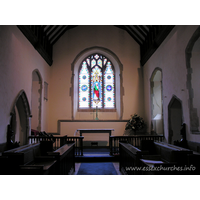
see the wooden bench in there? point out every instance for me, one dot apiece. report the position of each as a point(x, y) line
point(6, 157)
point(129, 157)
point(153, 155)
point(193, 160)
point(29, 159)
point(65, 159)
point(167, 154)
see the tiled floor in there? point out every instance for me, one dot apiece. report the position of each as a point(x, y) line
point(116, 166)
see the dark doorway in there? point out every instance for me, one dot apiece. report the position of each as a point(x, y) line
point(175, 119)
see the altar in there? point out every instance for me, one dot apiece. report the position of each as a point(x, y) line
point(81, 131)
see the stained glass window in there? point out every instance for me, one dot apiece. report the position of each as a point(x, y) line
point(84, 86)
point(96, 83)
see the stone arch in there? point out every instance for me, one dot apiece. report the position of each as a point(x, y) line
point(193, 110)
point(21, 113)
point(118, 75)
point(156, 90)
point(175, 119)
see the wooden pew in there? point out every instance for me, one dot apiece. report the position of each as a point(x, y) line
point(129, 157)
point(65, 157)
point(30, 159)
point(168, 155)
point(154, 158)
point(39, 166)
point(193, 159)
point(6, 165)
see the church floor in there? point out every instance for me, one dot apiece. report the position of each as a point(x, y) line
point(114, 164)
point(96, 161)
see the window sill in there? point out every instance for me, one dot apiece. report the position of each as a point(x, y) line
point(99, 110)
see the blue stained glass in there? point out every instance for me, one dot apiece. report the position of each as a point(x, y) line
point(109, 88)
point(84, 88)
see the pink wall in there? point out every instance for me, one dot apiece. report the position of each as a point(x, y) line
point(18, 59)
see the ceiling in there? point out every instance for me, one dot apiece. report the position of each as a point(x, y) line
point(43, 37)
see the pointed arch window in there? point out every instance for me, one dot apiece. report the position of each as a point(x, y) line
point(96, 83)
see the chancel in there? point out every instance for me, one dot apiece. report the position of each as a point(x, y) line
point(61, 80)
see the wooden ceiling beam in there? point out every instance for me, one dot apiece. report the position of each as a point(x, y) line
point(143, 29)
point(52, 31)
point(132, 34)
point(48, 29)
point(55, 38)
point(140, 31)
point(135, 34)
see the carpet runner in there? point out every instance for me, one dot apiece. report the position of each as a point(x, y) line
point(97, 168)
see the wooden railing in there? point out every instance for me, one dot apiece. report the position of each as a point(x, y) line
point(78, 144)
point(134, 140)
point(60, 141)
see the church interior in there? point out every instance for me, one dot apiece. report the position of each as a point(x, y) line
point(73, 95)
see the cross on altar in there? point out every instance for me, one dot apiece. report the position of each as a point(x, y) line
point(96, 113)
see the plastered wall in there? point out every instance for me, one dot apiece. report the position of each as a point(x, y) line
point(68, 47)
point(170, 57)
point(18, 59)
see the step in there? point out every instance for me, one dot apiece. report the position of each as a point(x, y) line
point(96, 158)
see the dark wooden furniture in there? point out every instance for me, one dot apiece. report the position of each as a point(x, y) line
point(60, 141)
point(29, 159)
point(155, 158)
point(134, 140)
point(57, 140)
point(170, 156)
point(95, 131)
point(129, 158)
point(65, 158)
point(193, 159)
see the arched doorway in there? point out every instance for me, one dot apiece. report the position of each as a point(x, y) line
point(36, 97)
point(175, 114)
point(156, 102)
point(19, 127)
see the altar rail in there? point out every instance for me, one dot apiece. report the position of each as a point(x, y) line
point(134, 140)
point(60, 141)
point(78, 144)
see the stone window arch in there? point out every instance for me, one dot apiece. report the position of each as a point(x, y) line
point(118, 77)
point(156, 102)
point(36, 100)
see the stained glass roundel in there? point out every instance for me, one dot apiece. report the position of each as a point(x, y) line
point(109, 88)
point(84, 77)
point(84, 88)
